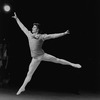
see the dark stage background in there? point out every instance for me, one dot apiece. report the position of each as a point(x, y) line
point(80, 46)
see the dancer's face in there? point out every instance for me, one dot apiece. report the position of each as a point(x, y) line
point(35, 29)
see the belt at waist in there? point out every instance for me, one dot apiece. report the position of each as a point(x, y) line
point(37, 53)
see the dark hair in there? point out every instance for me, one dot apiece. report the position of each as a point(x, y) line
point(37, 24)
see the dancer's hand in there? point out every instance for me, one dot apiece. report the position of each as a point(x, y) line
point(66, 32)
point(15, 16)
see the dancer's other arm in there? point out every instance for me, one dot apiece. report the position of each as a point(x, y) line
point(23, 28)
point(56, 35)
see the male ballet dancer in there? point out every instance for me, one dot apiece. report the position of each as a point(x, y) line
point(35, 42)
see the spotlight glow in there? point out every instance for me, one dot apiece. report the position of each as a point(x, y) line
point(7, 8)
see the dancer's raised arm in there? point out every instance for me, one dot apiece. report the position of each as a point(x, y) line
point(56, 35)
point(23, 28)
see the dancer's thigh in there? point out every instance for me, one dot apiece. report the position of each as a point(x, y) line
point(34, 64)
point(48, 57)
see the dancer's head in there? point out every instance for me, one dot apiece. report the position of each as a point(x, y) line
point(35, 28)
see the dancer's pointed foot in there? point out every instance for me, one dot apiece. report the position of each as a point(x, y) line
point(20, 90)
point(76, 65)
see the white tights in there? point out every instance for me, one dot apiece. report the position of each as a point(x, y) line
point(35, 63)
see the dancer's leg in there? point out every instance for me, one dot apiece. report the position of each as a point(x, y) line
point(32, 67)
point(48, 57)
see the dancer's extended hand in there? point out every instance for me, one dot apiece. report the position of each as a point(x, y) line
point(66, 32)
point(15, 16)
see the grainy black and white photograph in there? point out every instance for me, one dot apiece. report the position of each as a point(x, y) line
point(49, 50)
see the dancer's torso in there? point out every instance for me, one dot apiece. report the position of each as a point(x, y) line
point(35, 43)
